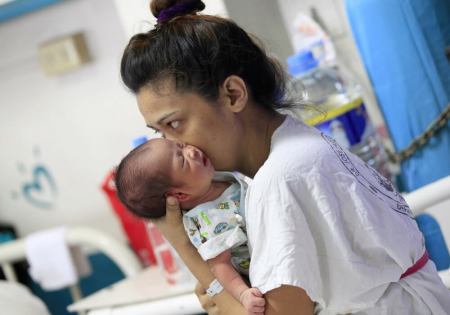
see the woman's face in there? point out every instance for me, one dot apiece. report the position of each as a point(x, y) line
point(190, 119)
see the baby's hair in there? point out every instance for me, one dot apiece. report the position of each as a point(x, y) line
point(140, 189)
point(197, 53)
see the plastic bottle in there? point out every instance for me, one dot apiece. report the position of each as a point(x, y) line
point(139, 141)
point(333, 103)
point(318, 85)
point(307, 34)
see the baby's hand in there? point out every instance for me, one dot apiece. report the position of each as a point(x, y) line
point(253, 301)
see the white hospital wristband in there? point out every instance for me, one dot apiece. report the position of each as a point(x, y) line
point(214, 288)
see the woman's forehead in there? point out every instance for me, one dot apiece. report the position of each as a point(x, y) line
point(152, 99)
point(155, 106)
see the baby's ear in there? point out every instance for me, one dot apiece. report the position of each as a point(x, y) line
point(178, 194)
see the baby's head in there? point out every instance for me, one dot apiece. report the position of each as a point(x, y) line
point(160, 168)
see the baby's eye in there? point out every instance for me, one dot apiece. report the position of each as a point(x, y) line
point(174, 124)
point(180, 155)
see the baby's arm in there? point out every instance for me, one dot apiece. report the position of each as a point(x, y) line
point(223, 270)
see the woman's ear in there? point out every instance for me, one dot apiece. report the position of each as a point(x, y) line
point(234, 93)
point(178, 194)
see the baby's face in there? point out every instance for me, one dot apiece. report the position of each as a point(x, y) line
point(188, 167)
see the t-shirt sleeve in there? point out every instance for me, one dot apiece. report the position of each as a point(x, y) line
point(192, 228)
point(214, 231)
point(283, 250)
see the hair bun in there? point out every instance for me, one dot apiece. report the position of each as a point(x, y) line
point(165, 10)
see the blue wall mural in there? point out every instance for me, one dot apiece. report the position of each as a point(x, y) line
point(38, 187)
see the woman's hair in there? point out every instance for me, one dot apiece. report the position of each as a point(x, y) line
point(140, 187)
point(197, 53)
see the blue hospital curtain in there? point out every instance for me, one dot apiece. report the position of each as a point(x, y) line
point(402, 44)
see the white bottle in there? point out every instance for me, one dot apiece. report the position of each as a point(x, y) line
point(334, 105)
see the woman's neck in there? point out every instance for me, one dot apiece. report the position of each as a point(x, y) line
point(258, 136)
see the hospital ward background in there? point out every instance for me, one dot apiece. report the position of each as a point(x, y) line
point(377, 72)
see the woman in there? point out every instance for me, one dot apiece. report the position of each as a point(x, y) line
point(327, 234)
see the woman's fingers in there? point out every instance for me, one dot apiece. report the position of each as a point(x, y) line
point(205, 301)
point(171, 225)
point(173, 212)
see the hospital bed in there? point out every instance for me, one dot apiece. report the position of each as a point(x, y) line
point(428, 196)
point(84, 237)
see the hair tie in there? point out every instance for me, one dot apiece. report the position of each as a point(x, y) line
point(178, 9)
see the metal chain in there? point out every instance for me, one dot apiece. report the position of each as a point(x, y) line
point(423, 139)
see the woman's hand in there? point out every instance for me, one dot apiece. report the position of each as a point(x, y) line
point(205, 301)
point(171, 226)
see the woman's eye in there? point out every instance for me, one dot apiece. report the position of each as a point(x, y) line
point(154, 130)
point(174, 124)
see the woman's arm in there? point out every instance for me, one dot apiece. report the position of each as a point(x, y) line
point(284, 300)
point(288, 300)
point(171, 226)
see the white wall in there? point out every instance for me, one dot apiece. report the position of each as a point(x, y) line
point(263, 19)
point(135, 16)
point(78, 125)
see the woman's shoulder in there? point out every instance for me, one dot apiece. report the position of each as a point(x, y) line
point(295, 148)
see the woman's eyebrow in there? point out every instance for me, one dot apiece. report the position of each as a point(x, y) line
point(161, 120)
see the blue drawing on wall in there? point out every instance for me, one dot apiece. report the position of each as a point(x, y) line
point(40, 190)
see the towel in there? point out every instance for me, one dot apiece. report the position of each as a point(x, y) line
point(50, 259)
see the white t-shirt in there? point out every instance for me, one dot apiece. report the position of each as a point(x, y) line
point(321, 219)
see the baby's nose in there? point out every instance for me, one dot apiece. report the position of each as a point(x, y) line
point(192, 153)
